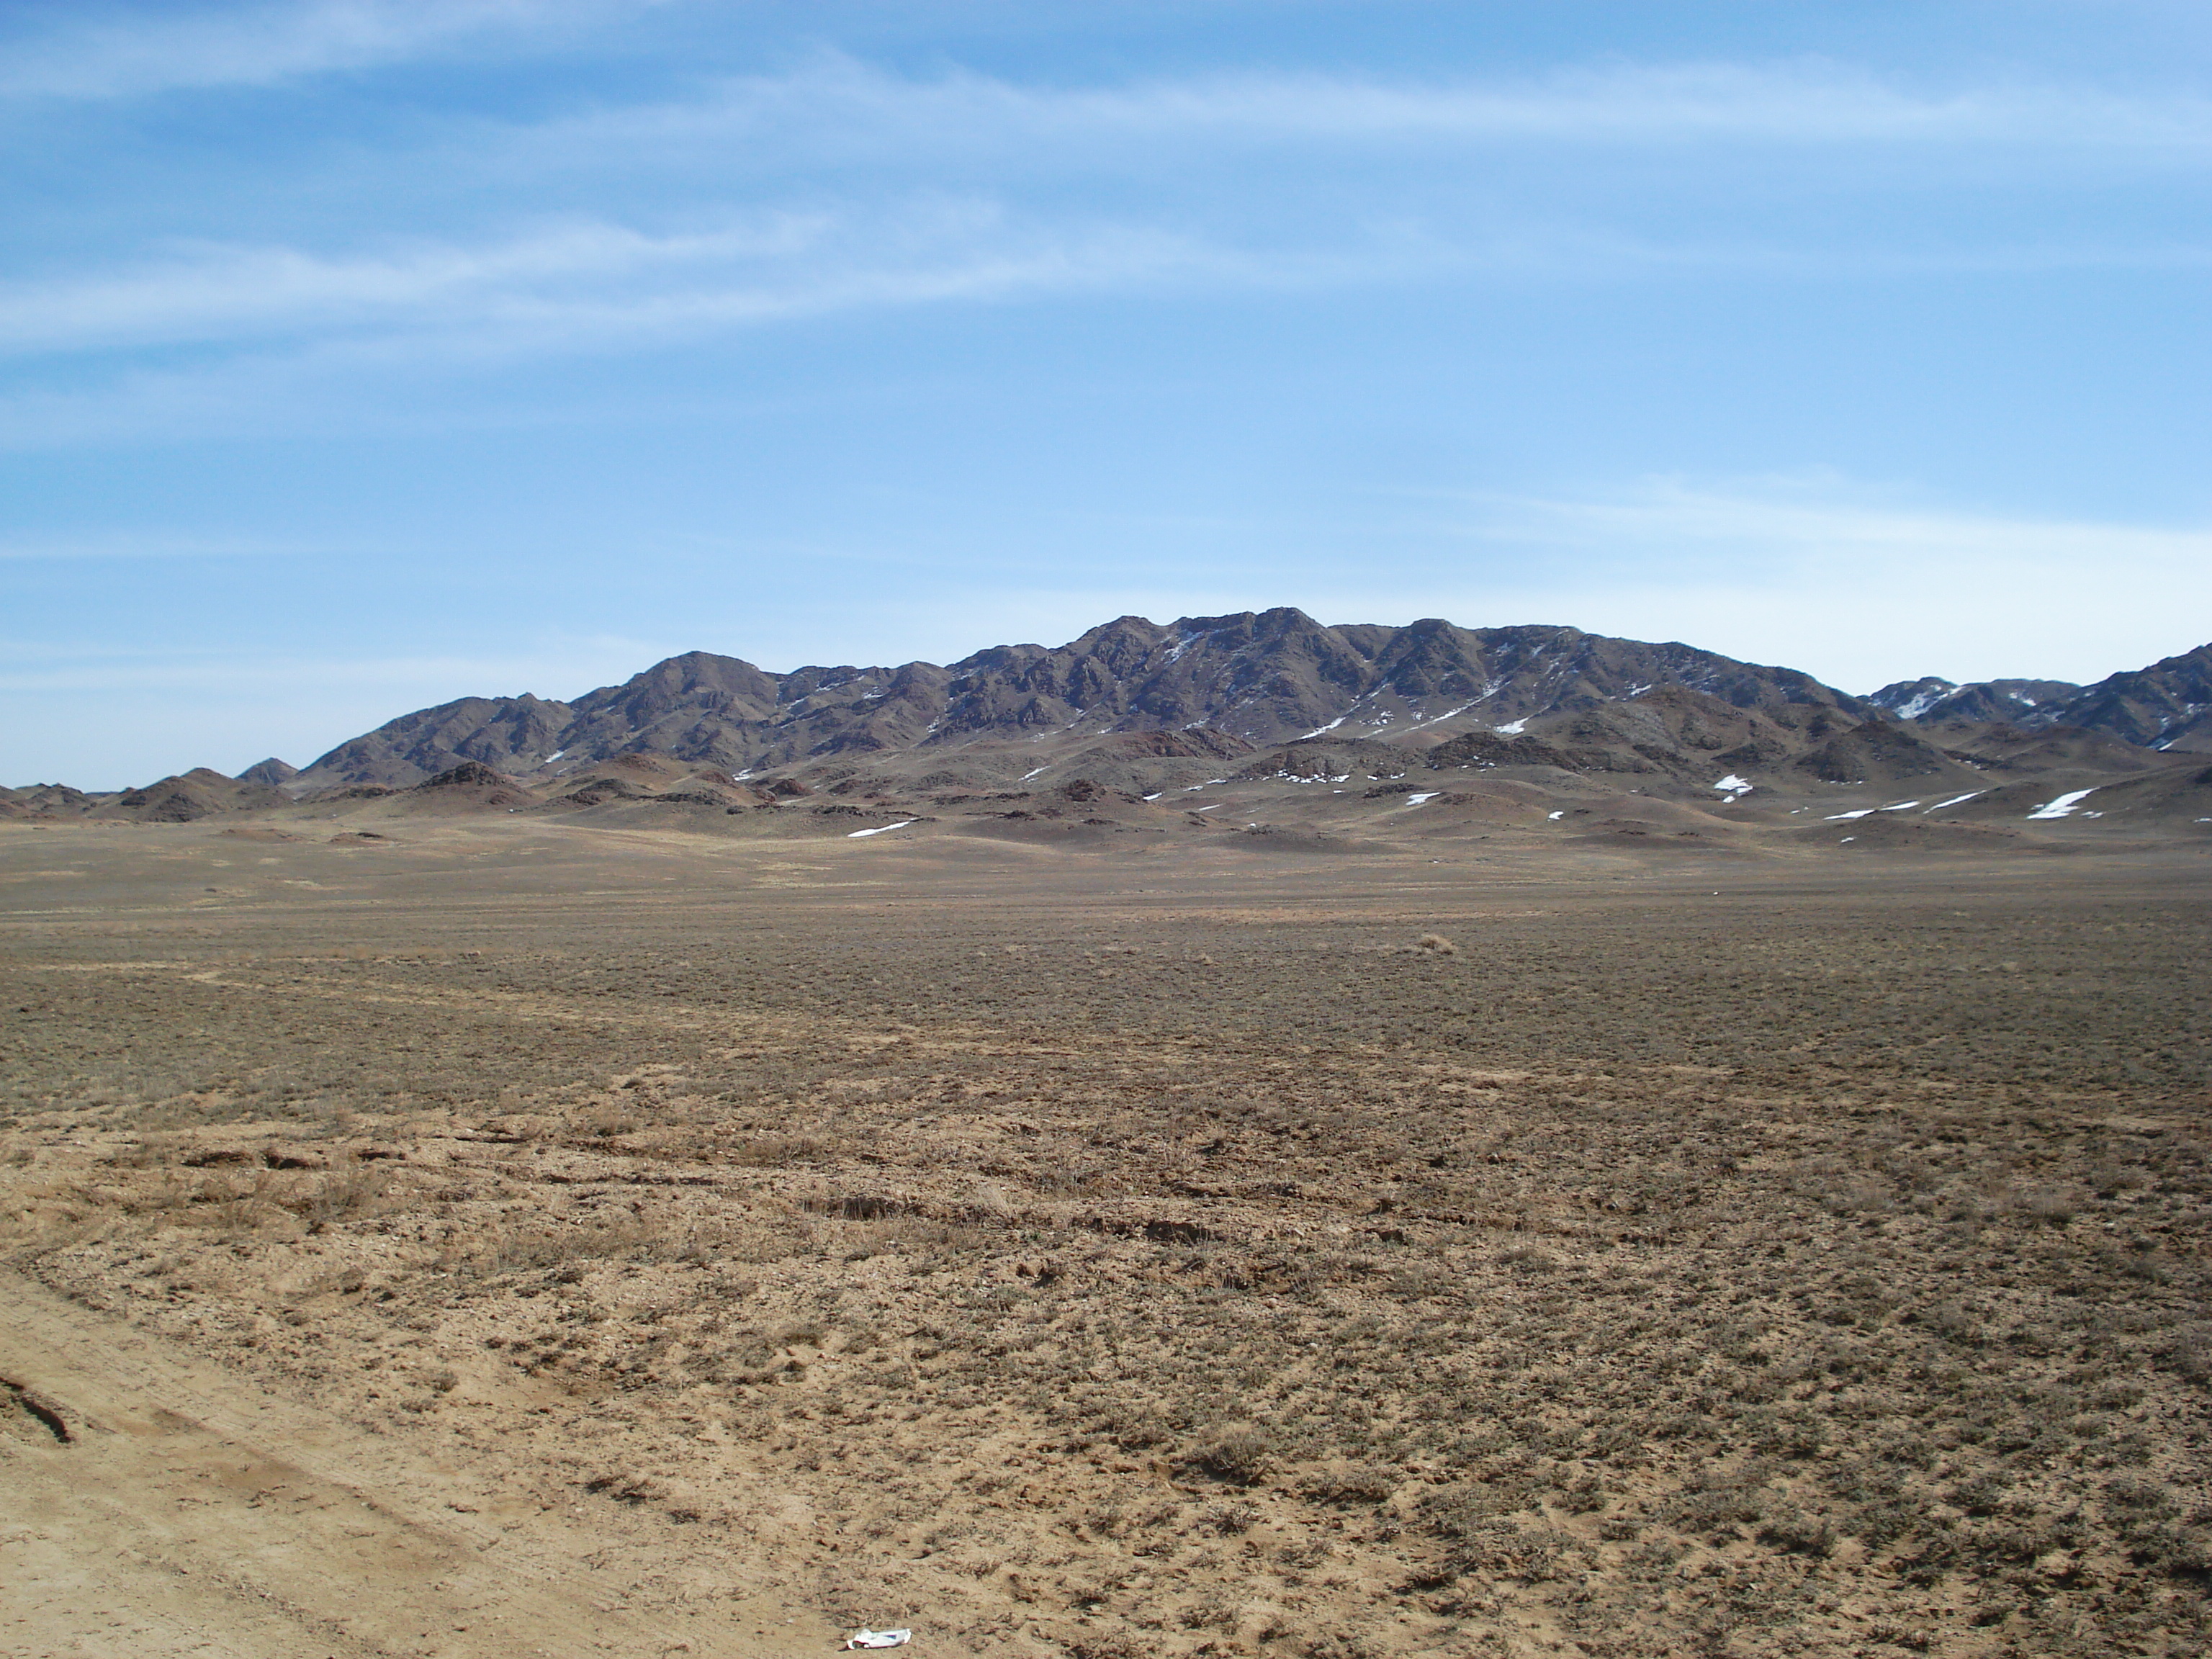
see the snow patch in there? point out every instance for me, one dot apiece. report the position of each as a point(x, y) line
point(1514, 728)
point(1318, 730)
point(1426, 794)
point(1433, 719)
point(1954, 800)
point(881, 828)
point(2065, 804)
point(1175, 651)
point(1555, 816)
point(1733, 785)
point(1863, 812)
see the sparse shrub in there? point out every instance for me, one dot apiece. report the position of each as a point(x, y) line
point(1105, 1645)
point(1792, 1530)
point(2191, 1352)
point(2053, 1208)
point(1952, 1321)
point(1529, 1259)
point(1436, 944)
point(1228, 1519)
point(1359, 1483)
point(1243, 1454)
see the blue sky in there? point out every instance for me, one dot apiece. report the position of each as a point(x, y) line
point(356, 354)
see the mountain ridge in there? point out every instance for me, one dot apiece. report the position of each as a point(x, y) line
point(1260, 676)
point(1225, 686)
point(2165, 705)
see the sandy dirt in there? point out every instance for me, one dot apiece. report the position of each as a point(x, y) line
point(516, 1238)
point(155, 1508)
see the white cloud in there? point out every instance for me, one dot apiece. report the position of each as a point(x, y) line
point(1812, 573)
point(140, 52)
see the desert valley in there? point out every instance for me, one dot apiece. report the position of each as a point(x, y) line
point(1229, 1137)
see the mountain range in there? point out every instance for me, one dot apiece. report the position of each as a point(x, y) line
point(1135, 701)
point(1261, 678)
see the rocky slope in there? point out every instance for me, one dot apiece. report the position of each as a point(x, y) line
point(1256, 678)
point(1935, 699)
point(2167, 705)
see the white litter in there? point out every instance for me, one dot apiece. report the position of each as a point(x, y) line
point(1558, 815)
point(2063, 804)
point(881, 828)
point(1216, 807)
point(877, 1638)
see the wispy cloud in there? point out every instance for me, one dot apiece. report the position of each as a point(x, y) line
point(1817, 518)
point(217, 292)
point(283, 328)
point(562, 673)
point(838, 107)
point(132, 54)
point(830, 189)
point(1815, 571)
point(143, 544)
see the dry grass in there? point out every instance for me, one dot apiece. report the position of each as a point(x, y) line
point(1288, 1291)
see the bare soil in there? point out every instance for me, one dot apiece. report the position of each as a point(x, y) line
point(501, 1236)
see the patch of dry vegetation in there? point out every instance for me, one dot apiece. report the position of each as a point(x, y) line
point(1225, 1288)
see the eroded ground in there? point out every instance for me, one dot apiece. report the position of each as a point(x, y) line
point(1462, 1253)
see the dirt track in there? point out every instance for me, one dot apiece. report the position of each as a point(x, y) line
point(156, 1508)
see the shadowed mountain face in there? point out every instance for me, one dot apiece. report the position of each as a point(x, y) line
point(1259, 678)
point(2014, 700)
point(2167, 705)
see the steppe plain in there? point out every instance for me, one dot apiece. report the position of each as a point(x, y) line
point(495, 1235)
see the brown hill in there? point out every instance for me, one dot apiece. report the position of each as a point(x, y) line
point(469, 785)
point(46, 800)
point(199, 794)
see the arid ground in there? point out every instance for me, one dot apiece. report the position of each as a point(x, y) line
point(503, 1236)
